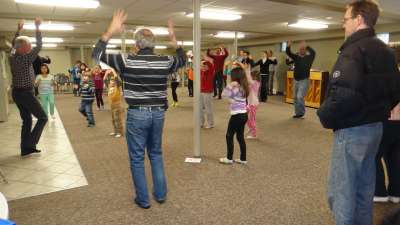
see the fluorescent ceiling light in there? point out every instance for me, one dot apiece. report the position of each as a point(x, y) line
point(185, 43)
point(89, 4)
point(226, 34)
point(160, 47)
point(155, 30)
point(47, 45)
point(48, 40)
point(218, 14)
point(111, 46)
point(50, 26)
point(119, 41)
point(309, 24)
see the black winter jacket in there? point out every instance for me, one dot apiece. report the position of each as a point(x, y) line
point(364, 84)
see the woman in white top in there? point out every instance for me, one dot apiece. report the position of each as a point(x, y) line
point(45, 83)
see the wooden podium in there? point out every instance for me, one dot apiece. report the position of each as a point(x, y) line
point(316, 92)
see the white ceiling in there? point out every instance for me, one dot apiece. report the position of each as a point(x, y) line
point(261, 18)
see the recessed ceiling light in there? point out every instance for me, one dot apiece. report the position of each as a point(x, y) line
point(185, 43)
point(154, 30)
point(50, 26)
point(228, 34)
point(48, 40)
point(47, 45)
point(308, 24)
point(111, 46)
point(119, 41)
point(92, 4)
point(218, 14)
point(160, 47)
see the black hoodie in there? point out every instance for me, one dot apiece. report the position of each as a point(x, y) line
point(364, 84)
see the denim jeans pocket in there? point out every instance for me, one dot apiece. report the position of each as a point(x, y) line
point(137, 116)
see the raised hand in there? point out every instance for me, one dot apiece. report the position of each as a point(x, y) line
point(289, 44)
point(172, 36)
point(21, 25)
point(117, 24)
point(38, 21)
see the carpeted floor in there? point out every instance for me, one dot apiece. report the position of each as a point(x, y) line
point(284, 182)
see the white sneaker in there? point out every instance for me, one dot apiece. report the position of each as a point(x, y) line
point(209, 127)
point(240, 161)
point(381, 199)
point(53, 117)
point(251, 137)
point(118, 135)
point(112, 134)
point(225, 161)
point(98, 109)
point(394, 199)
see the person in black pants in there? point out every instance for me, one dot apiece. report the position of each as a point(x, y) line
point(264, 64)
point(389, 150)
point(21, 59)
point(175, 79)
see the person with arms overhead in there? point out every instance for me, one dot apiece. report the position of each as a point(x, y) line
point(144, 76)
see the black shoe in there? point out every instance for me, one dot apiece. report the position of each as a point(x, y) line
point(142, 206)
point(29, 151)
point(160, 201)
point(297, 116)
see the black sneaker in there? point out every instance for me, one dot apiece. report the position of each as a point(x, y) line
point(297, 116)
point(29, 151)
point(142, 206)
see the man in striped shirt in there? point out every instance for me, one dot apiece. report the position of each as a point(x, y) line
point(23, 79)
point(144, 77)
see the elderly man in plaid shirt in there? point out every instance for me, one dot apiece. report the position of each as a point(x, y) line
point(23, 78)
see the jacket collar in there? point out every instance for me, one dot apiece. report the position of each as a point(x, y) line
point(146, 51)
point(368, 32)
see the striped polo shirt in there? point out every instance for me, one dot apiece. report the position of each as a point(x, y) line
point(144, 75)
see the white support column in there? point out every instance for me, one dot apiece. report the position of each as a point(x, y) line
point(123, 44)
point(196, 79)
point(235, 44)
point(82, 54)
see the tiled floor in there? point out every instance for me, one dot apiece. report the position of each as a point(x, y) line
point(55, 169)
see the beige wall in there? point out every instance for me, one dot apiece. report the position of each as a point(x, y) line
point(60, 62)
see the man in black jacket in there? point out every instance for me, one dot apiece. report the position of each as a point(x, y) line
point(363, 88)
point(302, 65)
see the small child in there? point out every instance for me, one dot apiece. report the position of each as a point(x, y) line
point(45, 83)
point(114, 98)
point(87, 94)
point(237, 92)
point(175, 79)
point(252, 100)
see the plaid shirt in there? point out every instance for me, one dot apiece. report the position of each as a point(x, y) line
point(23, 75)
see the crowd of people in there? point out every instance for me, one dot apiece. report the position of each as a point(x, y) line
point(362, 104)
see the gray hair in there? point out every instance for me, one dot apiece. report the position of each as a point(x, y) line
point(20, 41)
point(145, 39)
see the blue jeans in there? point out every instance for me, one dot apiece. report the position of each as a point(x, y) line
point(86, 110)
point(144, 129)
point(299, 92)
point(352, 174)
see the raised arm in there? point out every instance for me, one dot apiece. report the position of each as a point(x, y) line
point(180, 59)
point(289, 52)
point(311, 51)
point(116, 27)
point(17, 34)
point(247, 69)
point(32, 55)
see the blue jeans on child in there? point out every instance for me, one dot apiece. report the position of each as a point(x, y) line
point(352, 174)
point(144, 127)
point(87, 111)
point(299, 92)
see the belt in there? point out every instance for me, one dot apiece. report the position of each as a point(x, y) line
point(147, 108)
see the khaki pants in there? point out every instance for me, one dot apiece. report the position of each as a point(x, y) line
point(116, 112)
point(206, 107)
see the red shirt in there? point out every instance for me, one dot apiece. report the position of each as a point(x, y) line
point(207, 78)
point(219, 60)
point(98, 80)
